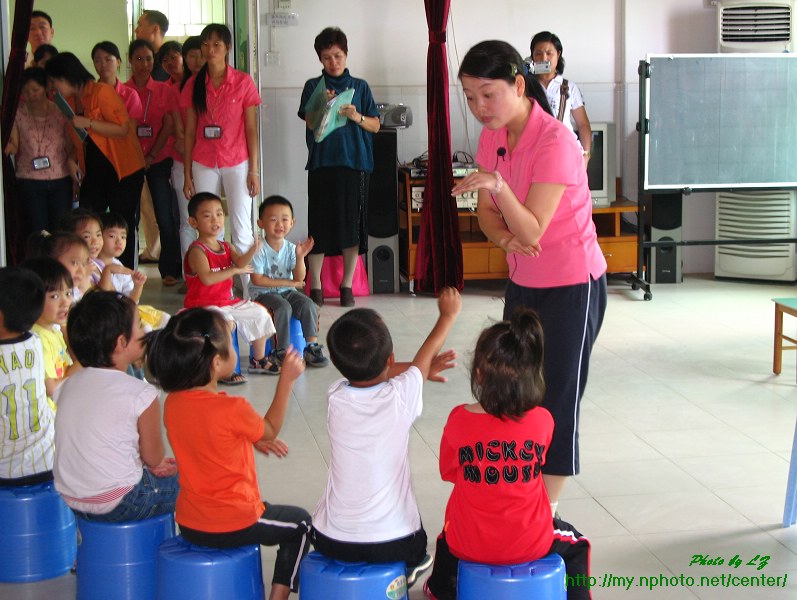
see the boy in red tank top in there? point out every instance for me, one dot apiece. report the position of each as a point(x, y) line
point(209, 267)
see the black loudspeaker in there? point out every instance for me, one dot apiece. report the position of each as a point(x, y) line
point(666, 225)
point(383, 186)
point(383, 273)
point(383, 222)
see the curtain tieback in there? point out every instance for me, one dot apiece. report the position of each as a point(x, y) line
point(437, 37)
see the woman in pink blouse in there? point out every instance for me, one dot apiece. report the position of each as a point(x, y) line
point(153, 131)
point(44, 155)
point(221, 142)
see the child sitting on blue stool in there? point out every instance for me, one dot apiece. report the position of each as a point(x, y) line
point(277, 278)
point(368, 512)
point(111, 464)
point(26, 418)
point(213, 436)
point(492, 451)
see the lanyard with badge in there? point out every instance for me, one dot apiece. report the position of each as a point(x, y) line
point(145, 130)
point(213, 132)
point(40, 160)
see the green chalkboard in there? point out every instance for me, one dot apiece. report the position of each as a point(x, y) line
point(720, 121)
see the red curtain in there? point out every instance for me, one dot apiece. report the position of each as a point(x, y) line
point(438, 261)
point(16, 64)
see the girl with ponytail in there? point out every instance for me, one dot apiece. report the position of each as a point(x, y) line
point(214, 436)
point(492, 451)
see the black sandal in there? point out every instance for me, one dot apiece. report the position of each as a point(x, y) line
point(234, 379)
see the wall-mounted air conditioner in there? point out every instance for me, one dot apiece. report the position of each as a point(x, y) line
point(756, 215)
point(756, 25)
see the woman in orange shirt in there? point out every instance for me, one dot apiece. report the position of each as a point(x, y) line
point(113, 162)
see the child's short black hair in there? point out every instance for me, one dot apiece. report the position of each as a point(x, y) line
point(22, 298)
point(53, 274)
point(95, 324)
point(271, 201)
point(179, 356)
point(111, 219)
point(359, 344)
point(507, 373)
point(44, 50)
point(77, 217)
point(53, 245)
point(199, 198)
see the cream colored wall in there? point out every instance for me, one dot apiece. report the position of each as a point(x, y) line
point(80, 25)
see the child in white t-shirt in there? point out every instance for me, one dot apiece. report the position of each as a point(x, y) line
point(124, 280)
point(110, 464)
point(368, 512)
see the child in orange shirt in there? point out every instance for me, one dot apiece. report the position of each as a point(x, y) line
point(213, 435)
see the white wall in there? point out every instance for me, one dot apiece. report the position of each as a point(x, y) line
point(603, 43)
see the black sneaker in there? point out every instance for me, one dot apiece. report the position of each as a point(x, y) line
point(419, 569)
point(277, 356)
point(314, 355)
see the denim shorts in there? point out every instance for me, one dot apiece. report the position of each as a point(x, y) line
point(150, 497)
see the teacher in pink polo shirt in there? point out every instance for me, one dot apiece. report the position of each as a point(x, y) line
point(534, 203)
point(221, 142)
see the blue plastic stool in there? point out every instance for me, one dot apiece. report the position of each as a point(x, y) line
point(199, 573)
point(297, 337)
point(237, 351)
point(542, 579)
point(325, 578)
point(37, 536)
point(119, 561)
point(790, 508)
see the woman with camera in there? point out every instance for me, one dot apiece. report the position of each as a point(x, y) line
point(563, 95)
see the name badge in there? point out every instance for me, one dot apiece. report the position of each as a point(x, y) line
point(40, 163)
point(212, 132)
point(145, 131)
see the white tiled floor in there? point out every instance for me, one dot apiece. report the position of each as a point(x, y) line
point(686, 434)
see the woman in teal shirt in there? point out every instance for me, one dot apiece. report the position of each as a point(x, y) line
point(338, 168)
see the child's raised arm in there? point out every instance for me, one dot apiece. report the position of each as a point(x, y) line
point(244, 259)
point(198, 262)
point(302, 250)
point(428, 359)
point(292, 367)
point(106, 278)
point(139, 279)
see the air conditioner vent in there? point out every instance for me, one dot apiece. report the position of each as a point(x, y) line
point(756, 24)
point(762, 216)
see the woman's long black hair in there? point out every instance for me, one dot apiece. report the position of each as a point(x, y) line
point(200, 97)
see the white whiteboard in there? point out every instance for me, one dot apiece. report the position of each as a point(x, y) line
point(721, 121)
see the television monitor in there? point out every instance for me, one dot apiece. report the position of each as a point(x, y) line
point(601, 168)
